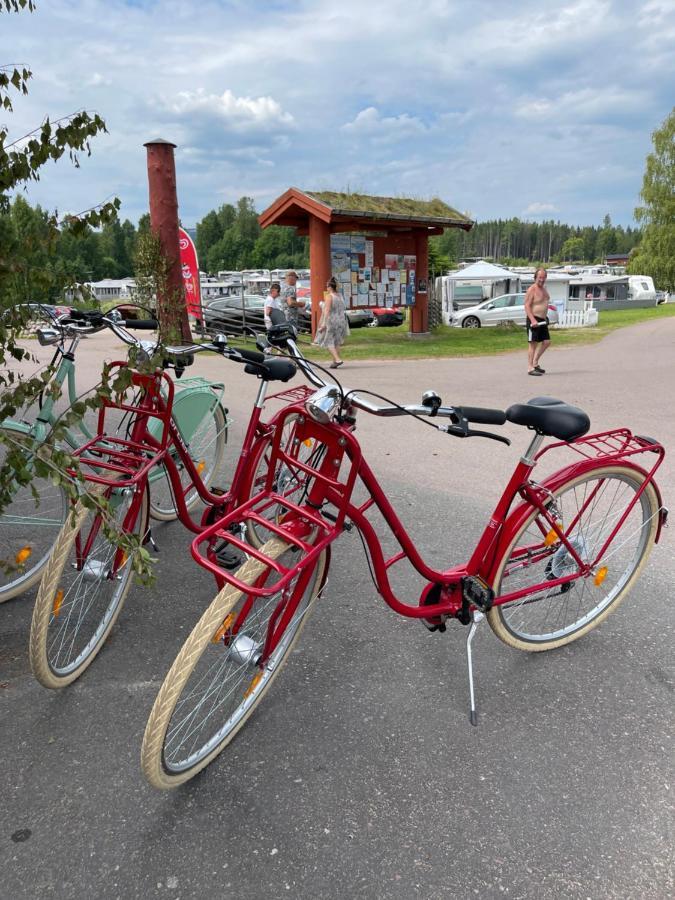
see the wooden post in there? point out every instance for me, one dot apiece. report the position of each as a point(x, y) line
point(171, 309)
point(419, 314)
point(319, 264)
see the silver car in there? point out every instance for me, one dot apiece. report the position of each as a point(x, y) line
point(506, 308)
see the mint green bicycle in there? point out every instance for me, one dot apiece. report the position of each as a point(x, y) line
point(28, 529)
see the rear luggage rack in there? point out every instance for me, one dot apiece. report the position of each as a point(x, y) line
point(610, 445)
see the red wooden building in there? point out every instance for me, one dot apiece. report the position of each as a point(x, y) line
point(396, 227)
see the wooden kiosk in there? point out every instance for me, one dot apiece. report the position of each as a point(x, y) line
point(377, 247)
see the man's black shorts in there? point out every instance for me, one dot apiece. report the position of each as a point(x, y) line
point(538, 333)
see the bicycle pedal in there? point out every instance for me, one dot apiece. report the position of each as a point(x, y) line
point(229, 557)
point(477, 593)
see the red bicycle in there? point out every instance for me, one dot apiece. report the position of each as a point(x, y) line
point(88, 575)
point(554, 559)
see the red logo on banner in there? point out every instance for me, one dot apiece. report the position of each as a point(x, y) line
point(190, 267)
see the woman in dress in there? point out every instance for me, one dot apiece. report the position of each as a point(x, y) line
point(333, 327)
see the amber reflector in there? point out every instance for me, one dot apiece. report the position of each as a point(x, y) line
point(550, 538)
point(600, 575)
point(58, 600)
point(254, 683)
point(224, 628)
point(23, 555)
point(201, 465)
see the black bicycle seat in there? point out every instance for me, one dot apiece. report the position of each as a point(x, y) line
point(272, 369)
point(550, 417)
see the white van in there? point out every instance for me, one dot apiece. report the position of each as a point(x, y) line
point(641, 287)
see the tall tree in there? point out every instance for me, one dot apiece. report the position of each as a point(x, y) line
point(656, 253)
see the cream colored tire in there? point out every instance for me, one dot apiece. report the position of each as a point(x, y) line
point(197, 644)
point(55, 575)
point(643, 524)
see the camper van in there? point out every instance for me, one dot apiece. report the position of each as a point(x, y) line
point(641, 287)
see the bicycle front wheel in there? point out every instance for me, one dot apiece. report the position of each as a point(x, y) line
point(587, 509)
point(28, 527)
point(216, 681)
point(206, 448)
point(82, 591)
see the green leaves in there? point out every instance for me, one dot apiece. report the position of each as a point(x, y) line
point(656, 254)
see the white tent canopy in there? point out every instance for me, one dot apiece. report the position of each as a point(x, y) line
point(472, 284)
point(482, 271)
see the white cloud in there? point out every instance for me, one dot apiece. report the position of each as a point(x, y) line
point(584, 104)
point(540, 209)
point(369, 123)
point(240, 113)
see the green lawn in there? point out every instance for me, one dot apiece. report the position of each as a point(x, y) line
point(394, 343)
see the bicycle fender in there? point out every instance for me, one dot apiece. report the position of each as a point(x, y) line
point(19, 427)
point(520, 514)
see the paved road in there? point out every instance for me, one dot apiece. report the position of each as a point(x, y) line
point(360, 775)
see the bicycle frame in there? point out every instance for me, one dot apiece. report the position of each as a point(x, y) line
point(310, 530)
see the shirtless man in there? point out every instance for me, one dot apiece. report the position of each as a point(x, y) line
point(536, 307)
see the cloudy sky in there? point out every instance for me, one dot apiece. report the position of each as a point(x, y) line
point(533, 108)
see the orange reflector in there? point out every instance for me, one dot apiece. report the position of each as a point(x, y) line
point(58, 600)
point(551, 538)
point(224, 628)
point(201, 465)
point(23, 554)
point(123, 560)
point(254, 683)
point(307, 442)
point(600, 575)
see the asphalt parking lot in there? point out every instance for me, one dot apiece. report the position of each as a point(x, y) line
point(360, 776)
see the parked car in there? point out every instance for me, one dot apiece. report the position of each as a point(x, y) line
point(387, 316)
point(130, 311)
point(227, 315)
point(661, 297)
point(360, 317)
point(506, 308)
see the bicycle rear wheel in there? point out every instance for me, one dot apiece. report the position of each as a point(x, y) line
point(206, 448)
point(215, 682)
point(82, 591)
point(588, 508)
point(28, 527)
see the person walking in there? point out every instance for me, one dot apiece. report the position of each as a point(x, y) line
point(292, 305)
point(334, 324)
point(536, 309)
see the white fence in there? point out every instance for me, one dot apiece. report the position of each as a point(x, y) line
point(577, 318)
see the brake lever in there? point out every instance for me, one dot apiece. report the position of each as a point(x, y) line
point(463, 431)
point(489, 434)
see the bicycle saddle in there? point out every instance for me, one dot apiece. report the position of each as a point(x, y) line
point(551, 417)
point(272, 369)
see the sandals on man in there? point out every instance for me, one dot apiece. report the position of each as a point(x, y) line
point(535, 372)
point(336, 365)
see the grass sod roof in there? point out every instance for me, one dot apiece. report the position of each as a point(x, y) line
point(400, 207)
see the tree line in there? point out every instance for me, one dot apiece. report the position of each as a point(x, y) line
point(230, 237)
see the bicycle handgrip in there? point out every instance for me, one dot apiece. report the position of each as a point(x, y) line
point(481, 416)
point(141, 324)
point(251, 355)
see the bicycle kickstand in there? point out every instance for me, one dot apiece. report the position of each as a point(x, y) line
point(477, 618)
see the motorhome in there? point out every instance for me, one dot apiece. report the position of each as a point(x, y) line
point(602, 288)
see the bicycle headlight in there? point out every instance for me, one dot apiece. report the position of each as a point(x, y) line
point(48, 336)
point(322, 404)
